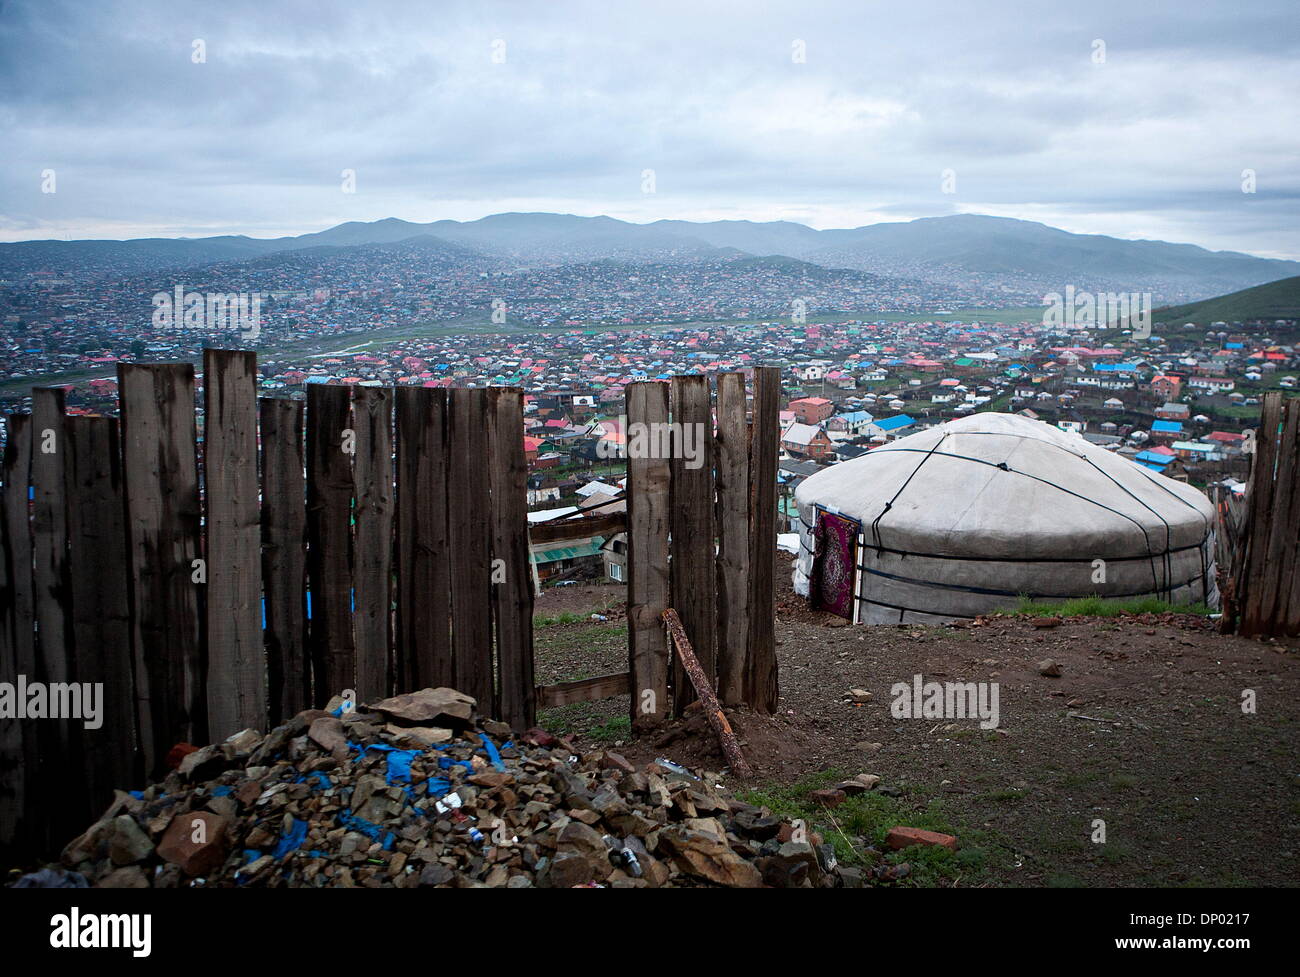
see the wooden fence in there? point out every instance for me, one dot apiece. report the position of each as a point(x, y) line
point(1263, 593)
point(701, 529)
point(376, 540)
point(228, 581)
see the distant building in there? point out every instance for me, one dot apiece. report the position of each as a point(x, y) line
point(812, 410)
point(807, 441)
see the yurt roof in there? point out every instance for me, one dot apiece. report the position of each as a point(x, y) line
point(1003, 486)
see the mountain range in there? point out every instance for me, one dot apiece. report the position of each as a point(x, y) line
point(1021, 257)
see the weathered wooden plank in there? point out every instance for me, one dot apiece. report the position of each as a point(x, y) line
point(237, 694)
point(647, 559)
point(708, 700)
point(471, 574)
point(733, 538)
point(693, 566)
point(160, 478)
point(512, 590)
point(761, 680)
point(330, 443)
point(583, 690)
point(19, 756)
point(57, 738)
point(581, 527)
point(50, 538)
point(101, 616)
point(372, 412)
point(284, 558)
point(1260, 495)
point(1286, 603)
point(424, 657)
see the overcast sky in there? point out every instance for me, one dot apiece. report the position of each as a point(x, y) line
point(459, 110)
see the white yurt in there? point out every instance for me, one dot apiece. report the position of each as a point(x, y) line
point(966, 517)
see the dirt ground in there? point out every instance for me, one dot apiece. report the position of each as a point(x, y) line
point(1143, 730)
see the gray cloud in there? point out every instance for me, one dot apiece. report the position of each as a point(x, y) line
point(1152, 143)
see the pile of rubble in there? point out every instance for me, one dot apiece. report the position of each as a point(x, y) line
point(413, 791)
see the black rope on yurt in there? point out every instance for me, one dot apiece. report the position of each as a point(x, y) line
point(1205, 537)
point(1166, 564)
point(1003, 466)
point(990, 592)
point(1024, 559)
point(875, 523)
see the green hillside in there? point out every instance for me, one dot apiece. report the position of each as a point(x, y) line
point(1275, 300)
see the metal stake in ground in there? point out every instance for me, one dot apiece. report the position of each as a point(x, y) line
point(709, 701)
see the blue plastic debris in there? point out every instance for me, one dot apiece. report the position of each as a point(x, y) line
point(493, 754)
point(372, 831)
point(292, 839)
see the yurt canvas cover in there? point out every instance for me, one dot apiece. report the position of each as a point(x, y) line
point(966, 517)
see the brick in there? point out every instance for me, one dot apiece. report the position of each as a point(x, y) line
point(903, 837)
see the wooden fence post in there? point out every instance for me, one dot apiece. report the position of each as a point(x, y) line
point(236, 676)
point(647, 556)
point(19, 756)
point(761, 683)
point(160, 478)
point(101, 618)
point(424, 657)
point(58, 738)
point(692, 564)
point(512, 590)
point(284, 558)
point(373, 545)
point(1260, 494)
point(733, 539)
point(330, 443)
point(468, 499)
point(1276, 606)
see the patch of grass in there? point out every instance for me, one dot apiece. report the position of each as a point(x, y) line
point(1096, 606)
point(613, 730)
point(550, 621)
point(866, 819)
point(1009, 794)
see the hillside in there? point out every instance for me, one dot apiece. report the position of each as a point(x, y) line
point(1276, 300)
point(1022, 256)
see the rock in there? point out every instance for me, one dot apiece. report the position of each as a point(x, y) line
point(859, 695)
point(701, 855)
point(568, 869)
point(827, 798)
point(204, 763)
point(900, 837)
point(418, 737)
point(428, 707)
point(127, 841)
point(866, 747)
point(195, 843)
point(1046, 622)
point(327, 732)
point(436, 874)
point(852, 878)
point(244, 742)
point(1049, 668)
point(860, 784)
point(127, 877)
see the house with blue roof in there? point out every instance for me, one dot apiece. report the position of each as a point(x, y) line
point(891, 427)
point(1153, 460)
